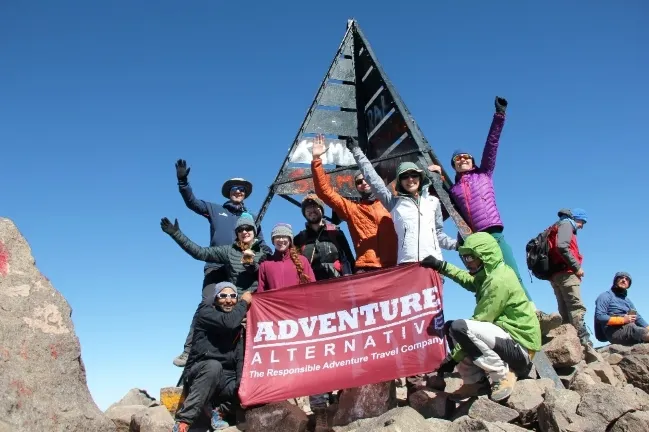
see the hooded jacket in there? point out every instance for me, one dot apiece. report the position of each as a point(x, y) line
point(279, 271)
point(370, 224)
point(243, 276)
point(418, 221)
point(564, 253)
point(222, 219)
point(473, 191)
point(500, 299)
point(612, 304)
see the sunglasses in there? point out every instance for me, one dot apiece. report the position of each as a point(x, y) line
point(237, 189)
point(244, 228)
point(462, 157)
point(360, 182)
point(409, 176)
point(624, 278)
point(225, 295)
point(467, 259)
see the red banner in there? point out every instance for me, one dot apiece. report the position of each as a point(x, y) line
point(343, 333)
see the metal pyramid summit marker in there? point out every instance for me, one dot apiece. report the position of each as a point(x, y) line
point(356, 99)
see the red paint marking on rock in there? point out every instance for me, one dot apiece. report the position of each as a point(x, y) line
point(21, 388)
point(4, 353)
point(4, 260)
point(53, 351)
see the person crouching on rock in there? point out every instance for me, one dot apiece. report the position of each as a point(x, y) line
point(215, 363)
point(503, 334)
point(616, 319)
point(240, 259)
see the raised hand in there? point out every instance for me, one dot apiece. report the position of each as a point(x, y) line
point(182, 171)
point(168, 227)
point(501, 105)
point(351, 143)
point(319, 146)
point(435, 168)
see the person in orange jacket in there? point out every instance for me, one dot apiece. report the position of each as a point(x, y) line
point(370, 224)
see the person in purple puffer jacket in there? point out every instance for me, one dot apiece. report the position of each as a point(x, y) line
point(473, 191)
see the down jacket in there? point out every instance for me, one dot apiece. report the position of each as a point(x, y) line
point(370, 224)
point(473, 191)
point(418, 221)
point(243, 276)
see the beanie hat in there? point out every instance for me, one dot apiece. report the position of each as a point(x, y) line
point(357, 174)
point(246, 220)
point(579, 214)
point(459, 152)
point(619, 275)
point(282, 229)
point(312, 199)
point(220, 287)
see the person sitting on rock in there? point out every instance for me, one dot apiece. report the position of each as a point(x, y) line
point(215, 363)
point(616, 319)
point(503, 334)
point(370, 224)
point(222, 219)
point(240, 259)
point(286, 267)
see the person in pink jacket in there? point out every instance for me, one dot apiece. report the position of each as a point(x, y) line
point(286, 267)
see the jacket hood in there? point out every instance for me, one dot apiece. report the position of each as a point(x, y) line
point(619, 275)
point(424, 183)
point(482, 245)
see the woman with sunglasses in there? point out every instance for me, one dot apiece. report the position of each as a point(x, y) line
point(473, 191)
point(241, 259)
point(417, 216)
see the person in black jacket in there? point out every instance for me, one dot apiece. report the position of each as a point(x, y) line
point(215, 363)
point(222, 219)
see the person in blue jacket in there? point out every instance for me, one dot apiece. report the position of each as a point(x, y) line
point(616, 319)
point(222, 219)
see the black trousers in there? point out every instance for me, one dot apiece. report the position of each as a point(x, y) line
point(207, 384)
point(211, 278)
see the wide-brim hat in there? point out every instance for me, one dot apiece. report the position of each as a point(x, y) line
point(228, 185)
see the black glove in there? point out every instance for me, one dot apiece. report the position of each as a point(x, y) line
point(167, 227)
point(501, 105)
point(447, 365)
point(351, 143)
point(181, 169)
point(432, 263)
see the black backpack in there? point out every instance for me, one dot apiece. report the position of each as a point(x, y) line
point(537, 252)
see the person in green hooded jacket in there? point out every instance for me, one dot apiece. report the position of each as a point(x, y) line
point(503, 334)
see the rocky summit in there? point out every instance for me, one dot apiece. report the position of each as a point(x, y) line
point(42, 376)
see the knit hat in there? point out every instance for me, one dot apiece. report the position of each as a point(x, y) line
point(228, 185)
point(282, 230)
point(619, 275)
point(357, 174)
point(459, 152)
point(579, 214)
point(220, 287)
point(312, 199)
point(246, 220)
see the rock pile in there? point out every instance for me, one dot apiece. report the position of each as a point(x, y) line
point(43, 383)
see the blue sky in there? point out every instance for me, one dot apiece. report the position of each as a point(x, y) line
point(100, 98)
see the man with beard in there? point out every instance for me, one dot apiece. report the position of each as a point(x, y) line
point(215, 364)
point(324, 245)
point(616, 319)
point(370, 224)
point(223, 219)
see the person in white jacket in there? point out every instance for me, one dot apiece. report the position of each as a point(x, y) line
point(416, 214)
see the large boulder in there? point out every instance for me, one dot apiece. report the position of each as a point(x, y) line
point(42, 374)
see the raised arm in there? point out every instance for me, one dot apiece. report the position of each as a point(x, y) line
point(322, 182)
point(193, 203)
point(488, 162)
point(445, 241)
point(372, 178)
point(217, 255)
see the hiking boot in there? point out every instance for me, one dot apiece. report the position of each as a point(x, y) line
point(502, 389)
point(217, 421)
point(181, 360)
point(470, 390)
point(180, 427)
point(548, 321)
point(321, 423)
